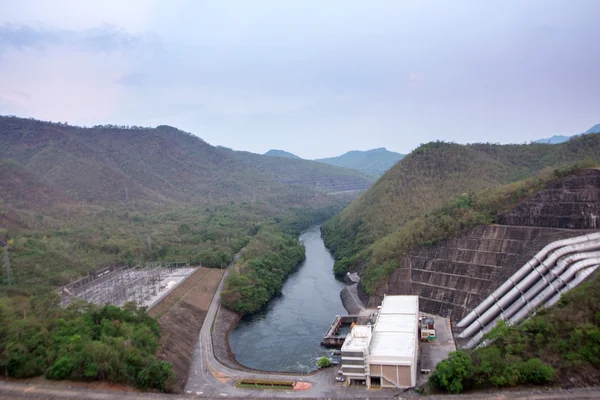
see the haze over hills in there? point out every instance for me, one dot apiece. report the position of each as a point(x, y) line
point(561, 139)
point(108, 163)
point(281, 153)
point(372, 162)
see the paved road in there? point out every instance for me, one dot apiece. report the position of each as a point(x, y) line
point(14, 391)
point(210, 379)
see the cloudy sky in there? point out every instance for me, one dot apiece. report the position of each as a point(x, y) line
point(316, 78)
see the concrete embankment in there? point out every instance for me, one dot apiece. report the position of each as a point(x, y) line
point(454, 275)
point(350, 300)
point(225, 321)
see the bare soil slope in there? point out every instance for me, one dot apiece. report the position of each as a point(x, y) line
point(181, 315)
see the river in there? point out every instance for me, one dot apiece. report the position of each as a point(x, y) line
point(286, 334)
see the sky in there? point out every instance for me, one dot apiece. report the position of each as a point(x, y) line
point(316, 78)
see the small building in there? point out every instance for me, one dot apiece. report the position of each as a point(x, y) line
point(385, 354)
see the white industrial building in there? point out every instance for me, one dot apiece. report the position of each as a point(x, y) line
point(385, 354)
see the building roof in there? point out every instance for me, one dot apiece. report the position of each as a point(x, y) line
point(400, 305)
point(358, 339)
point(393, 345)
point(396, 329)
point(395, 323)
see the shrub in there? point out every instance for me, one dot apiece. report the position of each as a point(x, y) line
point(450, 374)
point(535, 371)
point(324, 362)
point(157, 375)
point(61, 369)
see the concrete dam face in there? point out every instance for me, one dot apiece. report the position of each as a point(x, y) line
point(455, 275)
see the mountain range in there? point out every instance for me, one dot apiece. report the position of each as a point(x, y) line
point(108, 163)
point(561, 139)
point(372, 162)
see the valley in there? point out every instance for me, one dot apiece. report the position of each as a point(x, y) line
point(448, 223)
point(299, 199)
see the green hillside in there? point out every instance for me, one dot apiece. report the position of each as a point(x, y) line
point(305, 173)
point(108, 163)
point(373, 162)
point(429, 177)
point(75, 199)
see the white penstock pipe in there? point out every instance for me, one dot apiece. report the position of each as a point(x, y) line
point(517, 276)
point(520, 287)
point(578, 279)
point(533, 291)
point(550, 291)
point(550, 276)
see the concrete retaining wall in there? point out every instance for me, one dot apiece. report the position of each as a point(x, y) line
point(454, 276)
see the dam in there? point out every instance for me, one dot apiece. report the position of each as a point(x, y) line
point(454, 276)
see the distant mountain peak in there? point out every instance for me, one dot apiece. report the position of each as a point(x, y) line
point(561, 139)
point(374, 162)
point(593, 129)
point(554, 139)
point(281, 153)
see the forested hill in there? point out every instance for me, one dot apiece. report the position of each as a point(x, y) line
point(436, 172)
point(374, 162)
point(109, 163)
point(281, 153)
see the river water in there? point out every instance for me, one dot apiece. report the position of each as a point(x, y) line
point(286, 334)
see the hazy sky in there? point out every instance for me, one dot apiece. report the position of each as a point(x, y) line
point(316, 78)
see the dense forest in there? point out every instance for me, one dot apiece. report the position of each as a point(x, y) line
point(82, 341)
point(109, 164)
point(74, 200)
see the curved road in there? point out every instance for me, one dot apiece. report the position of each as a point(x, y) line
point(208, 377)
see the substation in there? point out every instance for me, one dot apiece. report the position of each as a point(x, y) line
point(144, 285)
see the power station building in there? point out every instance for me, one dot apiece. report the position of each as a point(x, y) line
point(385, 354)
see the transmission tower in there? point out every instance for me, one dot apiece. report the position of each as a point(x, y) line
point(7, 271)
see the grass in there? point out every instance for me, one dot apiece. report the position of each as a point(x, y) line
point(265, 384)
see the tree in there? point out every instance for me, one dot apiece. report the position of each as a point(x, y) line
point(324, 362)
point(7, 270)
point(451, 373)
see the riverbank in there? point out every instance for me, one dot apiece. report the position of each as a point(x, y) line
point(225, 321)
point(285, 334)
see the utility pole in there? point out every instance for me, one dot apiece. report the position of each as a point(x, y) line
point(149, 243)
point(7, 271)
point(126, 194)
